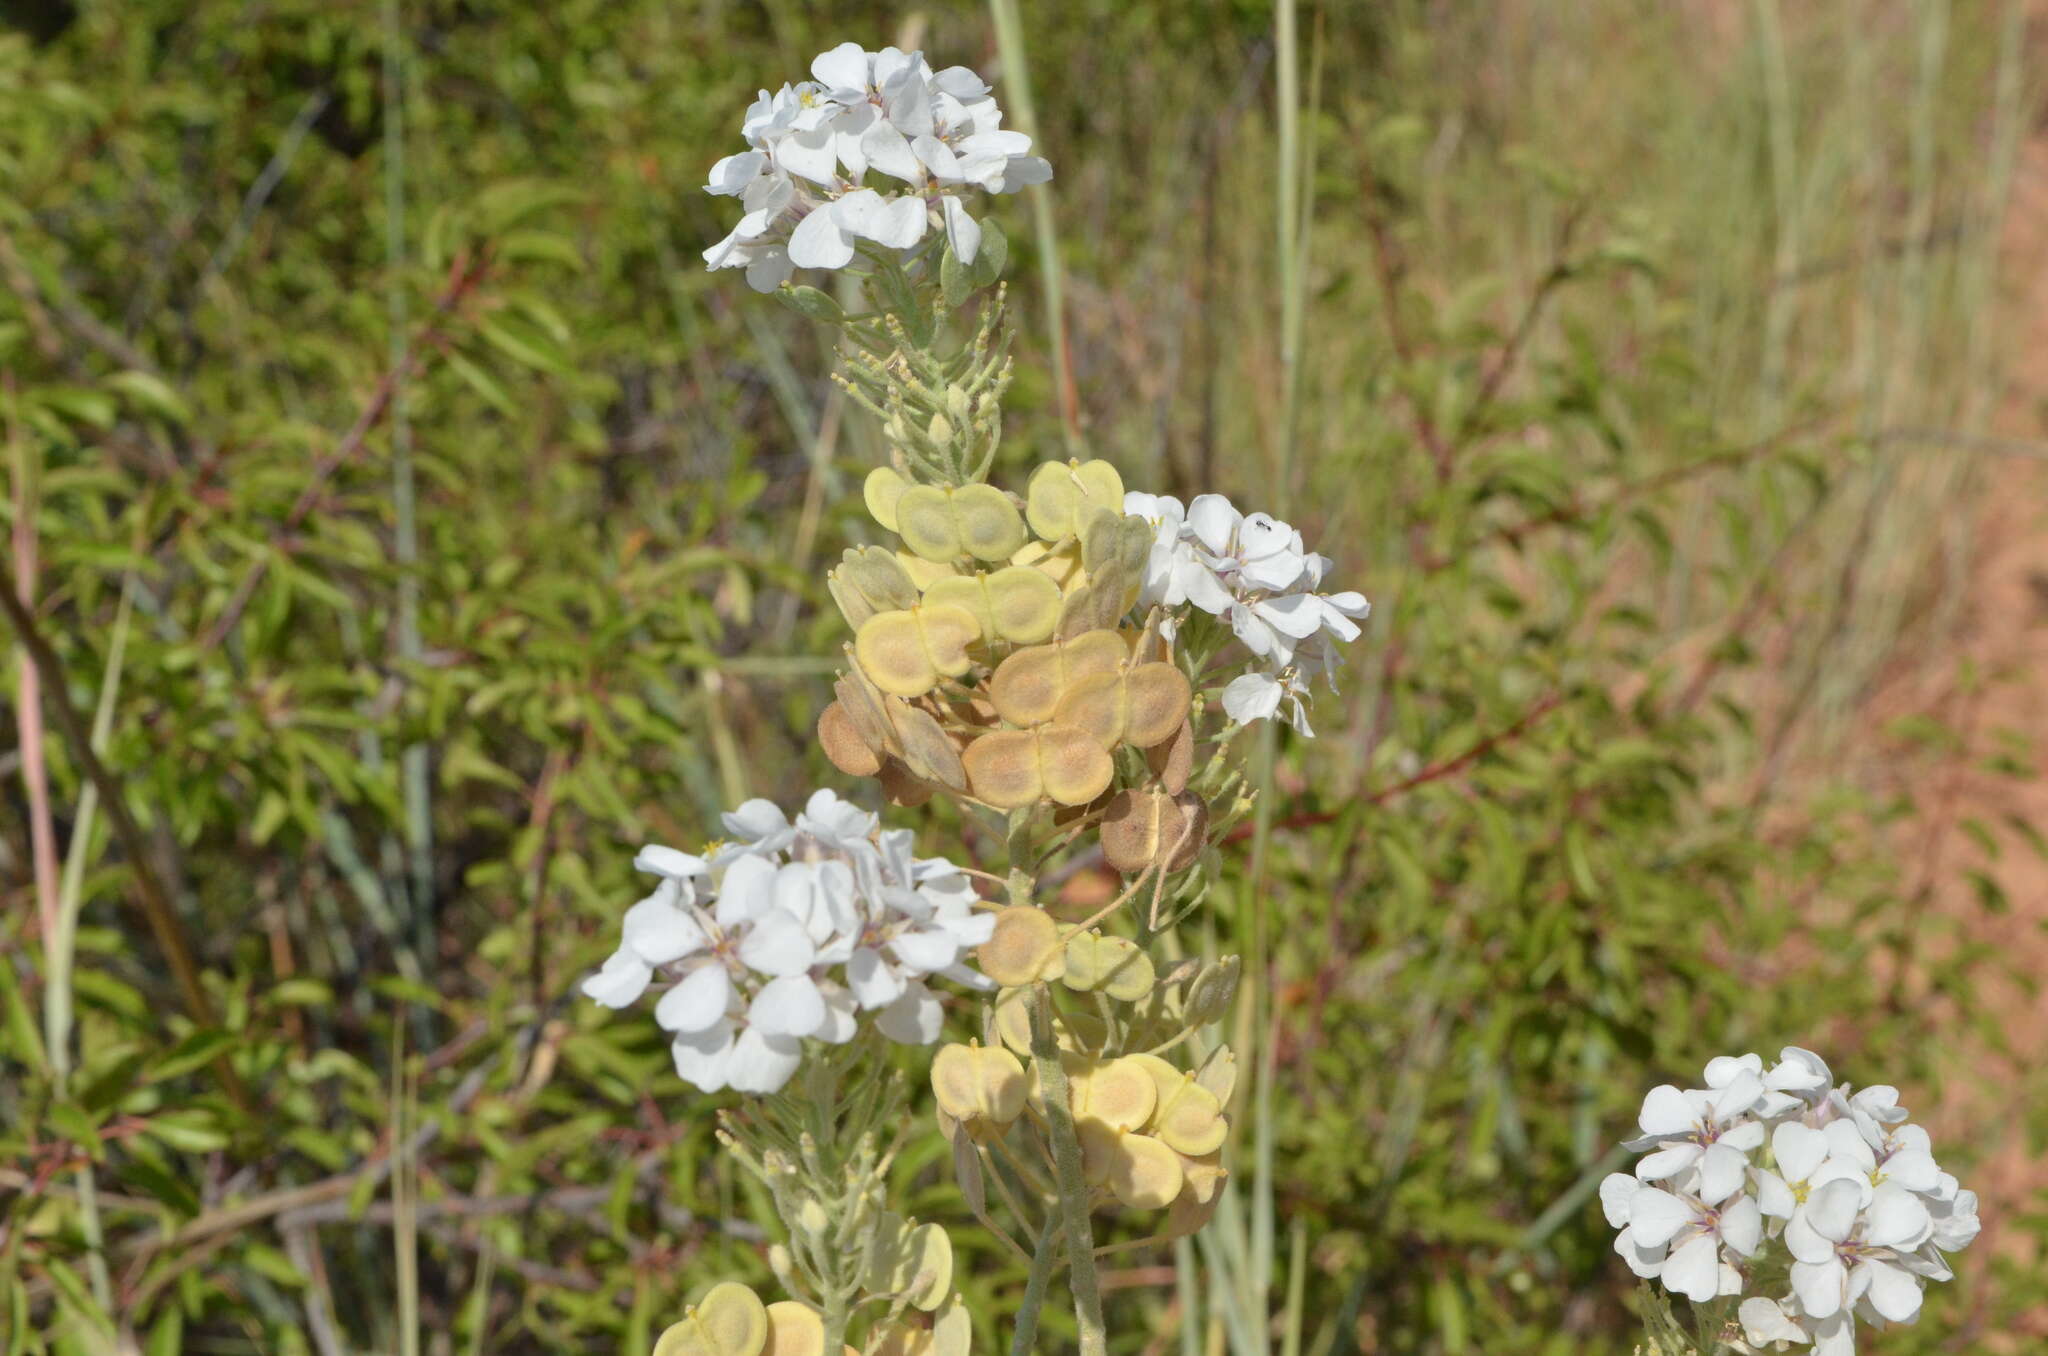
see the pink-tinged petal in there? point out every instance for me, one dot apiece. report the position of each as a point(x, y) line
point(1666, 1111)
point(698, 1003)
point(1694, 1270)
point(1742, 1226)
point(1655, 1216)
point(1819, 1286)
point(790, 1006)
point(621, 980)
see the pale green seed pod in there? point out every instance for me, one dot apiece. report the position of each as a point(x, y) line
point(794, 1330)
point(915, 1261)
point(729, 1321)
point(1212, 993)
point(881, 491)
point(943, 524)
point(1114, 965)
point(1058, 493)
point(906, 653)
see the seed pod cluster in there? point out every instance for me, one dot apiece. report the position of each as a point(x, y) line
point(991, 658)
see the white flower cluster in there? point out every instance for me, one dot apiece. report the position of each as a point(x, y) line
point(1253, 571)
point(1782, 1156)
point(804, 182)
point(789, 930)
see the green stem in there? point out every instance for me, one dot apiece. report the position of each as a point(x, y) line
point(1026, 1332)
point(1073, 1188)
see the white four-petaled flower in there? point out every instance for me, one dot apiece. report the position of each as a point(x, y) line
point(786, 932)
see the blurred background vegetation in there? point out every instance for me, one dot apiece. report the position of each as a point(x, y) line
point(417, 529)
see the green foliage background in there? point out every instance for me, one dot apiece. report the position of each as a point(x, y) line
point(1616, 320)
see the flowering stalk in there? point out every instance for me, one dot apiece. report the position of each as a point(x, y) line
point(1069, 663)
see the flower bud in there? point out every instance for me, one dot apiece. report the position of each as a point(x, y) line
point(939, 430)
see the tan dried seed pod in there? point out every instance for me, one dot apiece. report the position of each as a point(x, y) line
point(906, 653)
point(928, 752)
point(843, 744)
point(1144, 826)
point(1010, 769)
point(1025, 947)
point(1144, 1173)
point(1173, 761)
point(1026, 687)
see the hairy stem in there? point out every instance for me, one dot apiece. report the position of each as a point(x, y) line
point(1073, 1189)
point(1026, 1332)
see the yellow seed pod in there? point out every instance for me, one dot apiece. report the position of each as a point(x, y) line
point(794, 1330)
point(973, 1084)
point(1114, 965)
point(1010, 769)
point(1061, 563)
point(1100, 1144)
point(902, 1339)
point(1173, 762)
point(1026, 687)
point(906, 653)
point(1015, 605)
point(1145, 826)
point(1219, 1075)
point(1116, 1093)
point(946, 524)
point(843, 744)
point(1024, 947)
point(1190, 1119)
point(1144, 1173)
point(1058, 492)
point(729, 1321)
point(1140, 704)
point(928, 753)
point(1205, 1175)
point(925, 573)
point(882, 489)
point(952, 1329)
point(913, 1261)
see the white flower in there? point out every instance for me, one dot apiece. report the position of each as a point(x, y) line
point(1861, 1210)
point(804, 181)
point(1689, 1244)
point(787, 933)
point(1252, 571)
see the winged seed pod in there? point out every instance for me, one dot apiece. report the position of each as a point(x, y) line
point(1059, 494)
point(1113, 965)
point(729, 1321)
point(1141, 704)
point(978, 1086)
point(868, 580)
point(1015, 605)
point(1146, 827)
point(1026, 688)
point(906, 653)
point(909, 1259)
point(1011, 769)
point(1023, 948)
